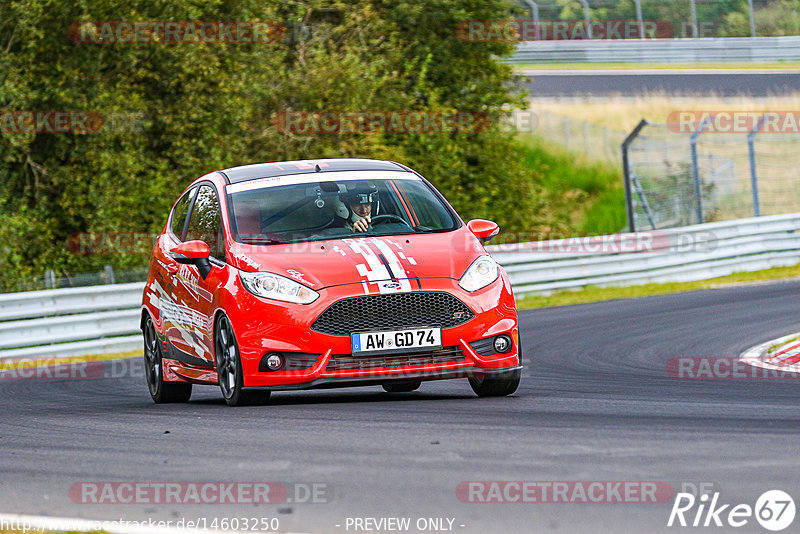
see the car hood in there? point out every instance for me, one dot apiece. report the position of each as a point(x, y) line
point(321, 264)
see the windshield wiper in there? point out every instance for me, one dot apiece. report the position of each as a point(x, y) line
point(261, 241)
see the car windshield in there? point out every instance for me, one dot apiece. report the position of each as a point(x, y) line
point(335, 209)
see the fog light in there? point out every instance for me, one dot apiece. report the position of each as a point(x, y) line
point(502, 343)
point(274, 362)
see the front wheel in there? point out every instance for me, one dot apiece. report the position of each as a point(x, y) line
point(229, 368)
point(496, 385)
point(161, 391)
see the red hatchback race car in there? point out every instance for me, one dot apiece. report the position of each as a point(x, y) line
point(319, 274)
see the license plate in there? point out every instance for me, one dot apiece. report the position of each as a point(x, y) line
point(396, 340)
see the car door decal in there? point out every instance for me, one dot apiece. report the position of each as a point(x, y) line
point(181, 317)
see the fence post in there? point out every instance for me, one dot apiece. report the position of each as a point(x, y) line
point(626, 173)
point(751, 151)
point(50, 279)
point(698, 190)
point(639, 17)
point(535, 14)
point(587, 18)
point(109, 272)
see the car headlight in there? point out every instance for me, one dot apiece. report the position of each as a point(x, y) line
point(481, 273)
point(273, 286)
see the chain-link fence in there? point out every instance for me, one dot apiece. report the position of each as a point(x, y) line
point(596, 141)
point(50, 281)
point(676, 179)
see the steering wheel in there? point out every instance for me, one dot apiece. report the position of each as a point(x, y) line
point(388, 217)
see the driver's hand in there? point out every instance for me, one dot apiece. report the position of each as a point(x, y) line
point(362, 225)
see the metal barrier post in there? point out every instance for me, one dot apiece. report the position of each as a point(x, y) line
point(694, 19)
point(626, 172)
point(698, 190)
point(639, 17)
point(751, 150)
point(535, 14)
point(587, 18)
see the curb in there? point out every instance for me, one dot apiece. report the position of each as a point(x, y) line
point(758, 356)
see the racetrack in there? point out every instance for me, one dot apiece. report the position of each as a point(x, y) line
point(596, 404)
point(634, 82)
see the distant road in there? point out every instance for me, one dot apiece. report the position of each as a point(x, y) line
point(746, 82)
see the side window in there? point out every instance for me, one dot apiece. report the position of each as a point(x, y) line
point(180, 212)
point(205, 222)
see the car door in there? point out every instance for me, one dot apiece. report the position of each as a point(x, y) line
point(171, 296)
point(205, 224)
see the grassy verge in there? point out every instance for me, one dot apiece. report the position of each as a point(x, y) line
point(638, 66)
point(588, 194)
point(49, 361)
point(594, 294)
point(623, 113)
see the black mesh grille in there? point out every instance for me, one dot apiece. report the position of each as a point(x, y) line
point(484, 347)
point(394, 311)
point(347, 362)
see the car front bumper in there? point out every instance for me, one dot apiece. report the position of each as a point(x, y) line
point(263, 331)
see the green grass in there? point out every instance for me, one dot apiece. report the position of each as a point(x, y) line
point(594, 294)
point(660, 66)
point(589, 194)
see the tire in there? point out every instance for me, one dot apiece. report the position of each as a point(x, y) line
point(229, 368)
point(161, 392)
point(497, 385)
point(403, 386)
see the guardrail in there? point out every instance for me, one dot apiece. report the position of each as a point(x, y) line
point(70, 322)
point(674, 255)
point(703, 50)
point(105, 319)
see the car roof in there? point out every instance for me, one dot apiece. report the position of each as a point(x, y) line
point(287, 168)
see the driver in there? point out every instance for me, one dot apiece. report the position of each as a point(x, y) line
point(356, 206)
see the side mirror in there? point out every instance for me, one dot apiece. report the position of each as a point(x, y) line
point(193, 253)
point(482, 229)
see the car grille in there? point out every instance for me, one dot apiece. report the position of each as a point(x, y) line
point(393, 311)
point(347, 362)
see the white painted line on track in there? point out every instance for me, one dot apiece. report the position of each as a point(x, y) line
point(659, 72)
point(33, 523)
point(755, 356)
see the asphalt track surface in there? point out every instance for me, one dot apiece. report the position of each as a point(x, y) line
point(596, 404)
point(632, 83)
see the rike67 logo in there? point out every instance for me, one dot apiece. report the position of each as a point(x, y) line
point(774, 510)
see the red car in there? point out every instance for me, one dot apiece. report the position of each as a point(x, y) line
point(319, 274)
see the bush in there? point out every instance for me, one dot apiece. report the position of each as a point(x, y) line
point(186, 109)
